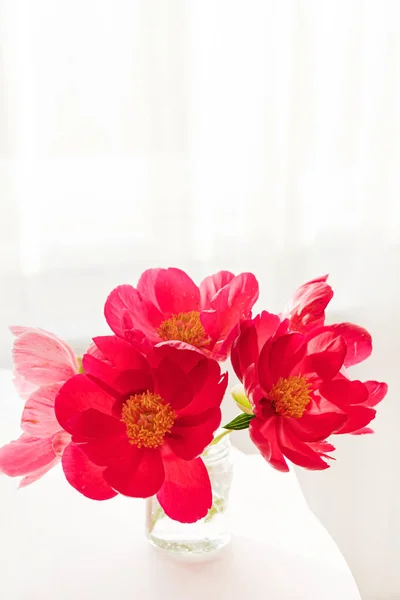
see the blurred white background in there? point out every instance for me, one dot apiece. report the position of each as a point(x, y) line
point(258, 135)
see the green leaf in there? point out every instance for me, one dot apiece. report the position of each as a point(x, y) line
point(240, 422)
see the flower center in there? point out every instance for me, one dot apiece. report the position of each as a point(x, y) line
point(290, 396)
point(185, 327)
point(147, 419)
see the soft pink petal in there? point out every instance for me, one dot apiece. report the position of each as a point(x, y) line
point(85, 476)
point(26, 455)
point(176, 292)
point(42, 358)
point(186, 494)
point(211, 285)
point(38, 418)
point(36, 475)
point(24, 387)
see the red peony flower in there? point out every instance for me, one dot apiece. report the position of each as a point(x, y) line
point(306, 311)
point(298, 395)
point(167, 306)
point(139, 424)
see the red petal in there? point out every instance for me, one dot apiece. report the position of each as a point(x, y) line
point(297, 451)
point(263, 370)
point(120, 353)
point(77, 395)
point(126, 309)
point(100, 370)
point(359, 417)
point(26, 455)
point(306, 310)
point(172, 384)
point(85, 476)
point(286, 352)
point(190, 435)
point(314, 428)
point(211, 285)
point(176, 292)
point(376, 392)
point(231, 304)
point(139, 473)
point(326, 352)
point(208, 385)
point(92, 424)
point(186, 494)
point(344, 392)
point(133, 382)
point(358, 340)
point(184, 355)
point(263, 435)
point(38, 417)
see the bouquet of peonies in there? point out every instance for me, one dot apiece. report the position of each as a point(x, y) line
point(135, 413)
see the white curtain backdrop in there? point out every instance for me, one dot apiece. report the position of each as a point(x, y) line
point(259, 135)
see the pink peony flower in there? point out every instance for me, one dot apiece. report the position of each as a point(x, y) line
point(306, 311)
point(167, 306)
point(42, 364)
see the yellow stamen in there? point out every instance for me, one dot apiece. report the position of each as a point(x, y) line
point(185, 327)
point(290, 396)
point(147, 419)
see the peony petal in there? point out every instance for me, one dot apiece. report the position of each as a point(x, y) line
point(306, 309)
point(263, 435)
point(24, 388)
point(77, 395)
point(186, 356)
point(121, 355)
point(314, 428)
point(359, 417)
point(186, 494)
point(286, 353)
point(41, 358)
point(26, 455)
point(326, 352)
point(376, 392)
point(126, 309)
point(297, 451)
point(60, 441)
point(262, 371)
point(231, 304)
point(208, 385)
point(139, 473)
point(38, 417)
point(84, 476)
point(344, 392)
point(211, 285)
point(172, 384)
point(358, 340)
point(92, 424)
point(190, 435)
point(38, 474)
point(176, 292)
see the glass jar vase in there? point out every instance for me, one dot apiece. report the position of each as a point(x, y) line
point(208, 535)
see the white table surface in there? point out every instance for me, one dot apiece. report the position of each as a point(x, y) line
point(56, 544)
